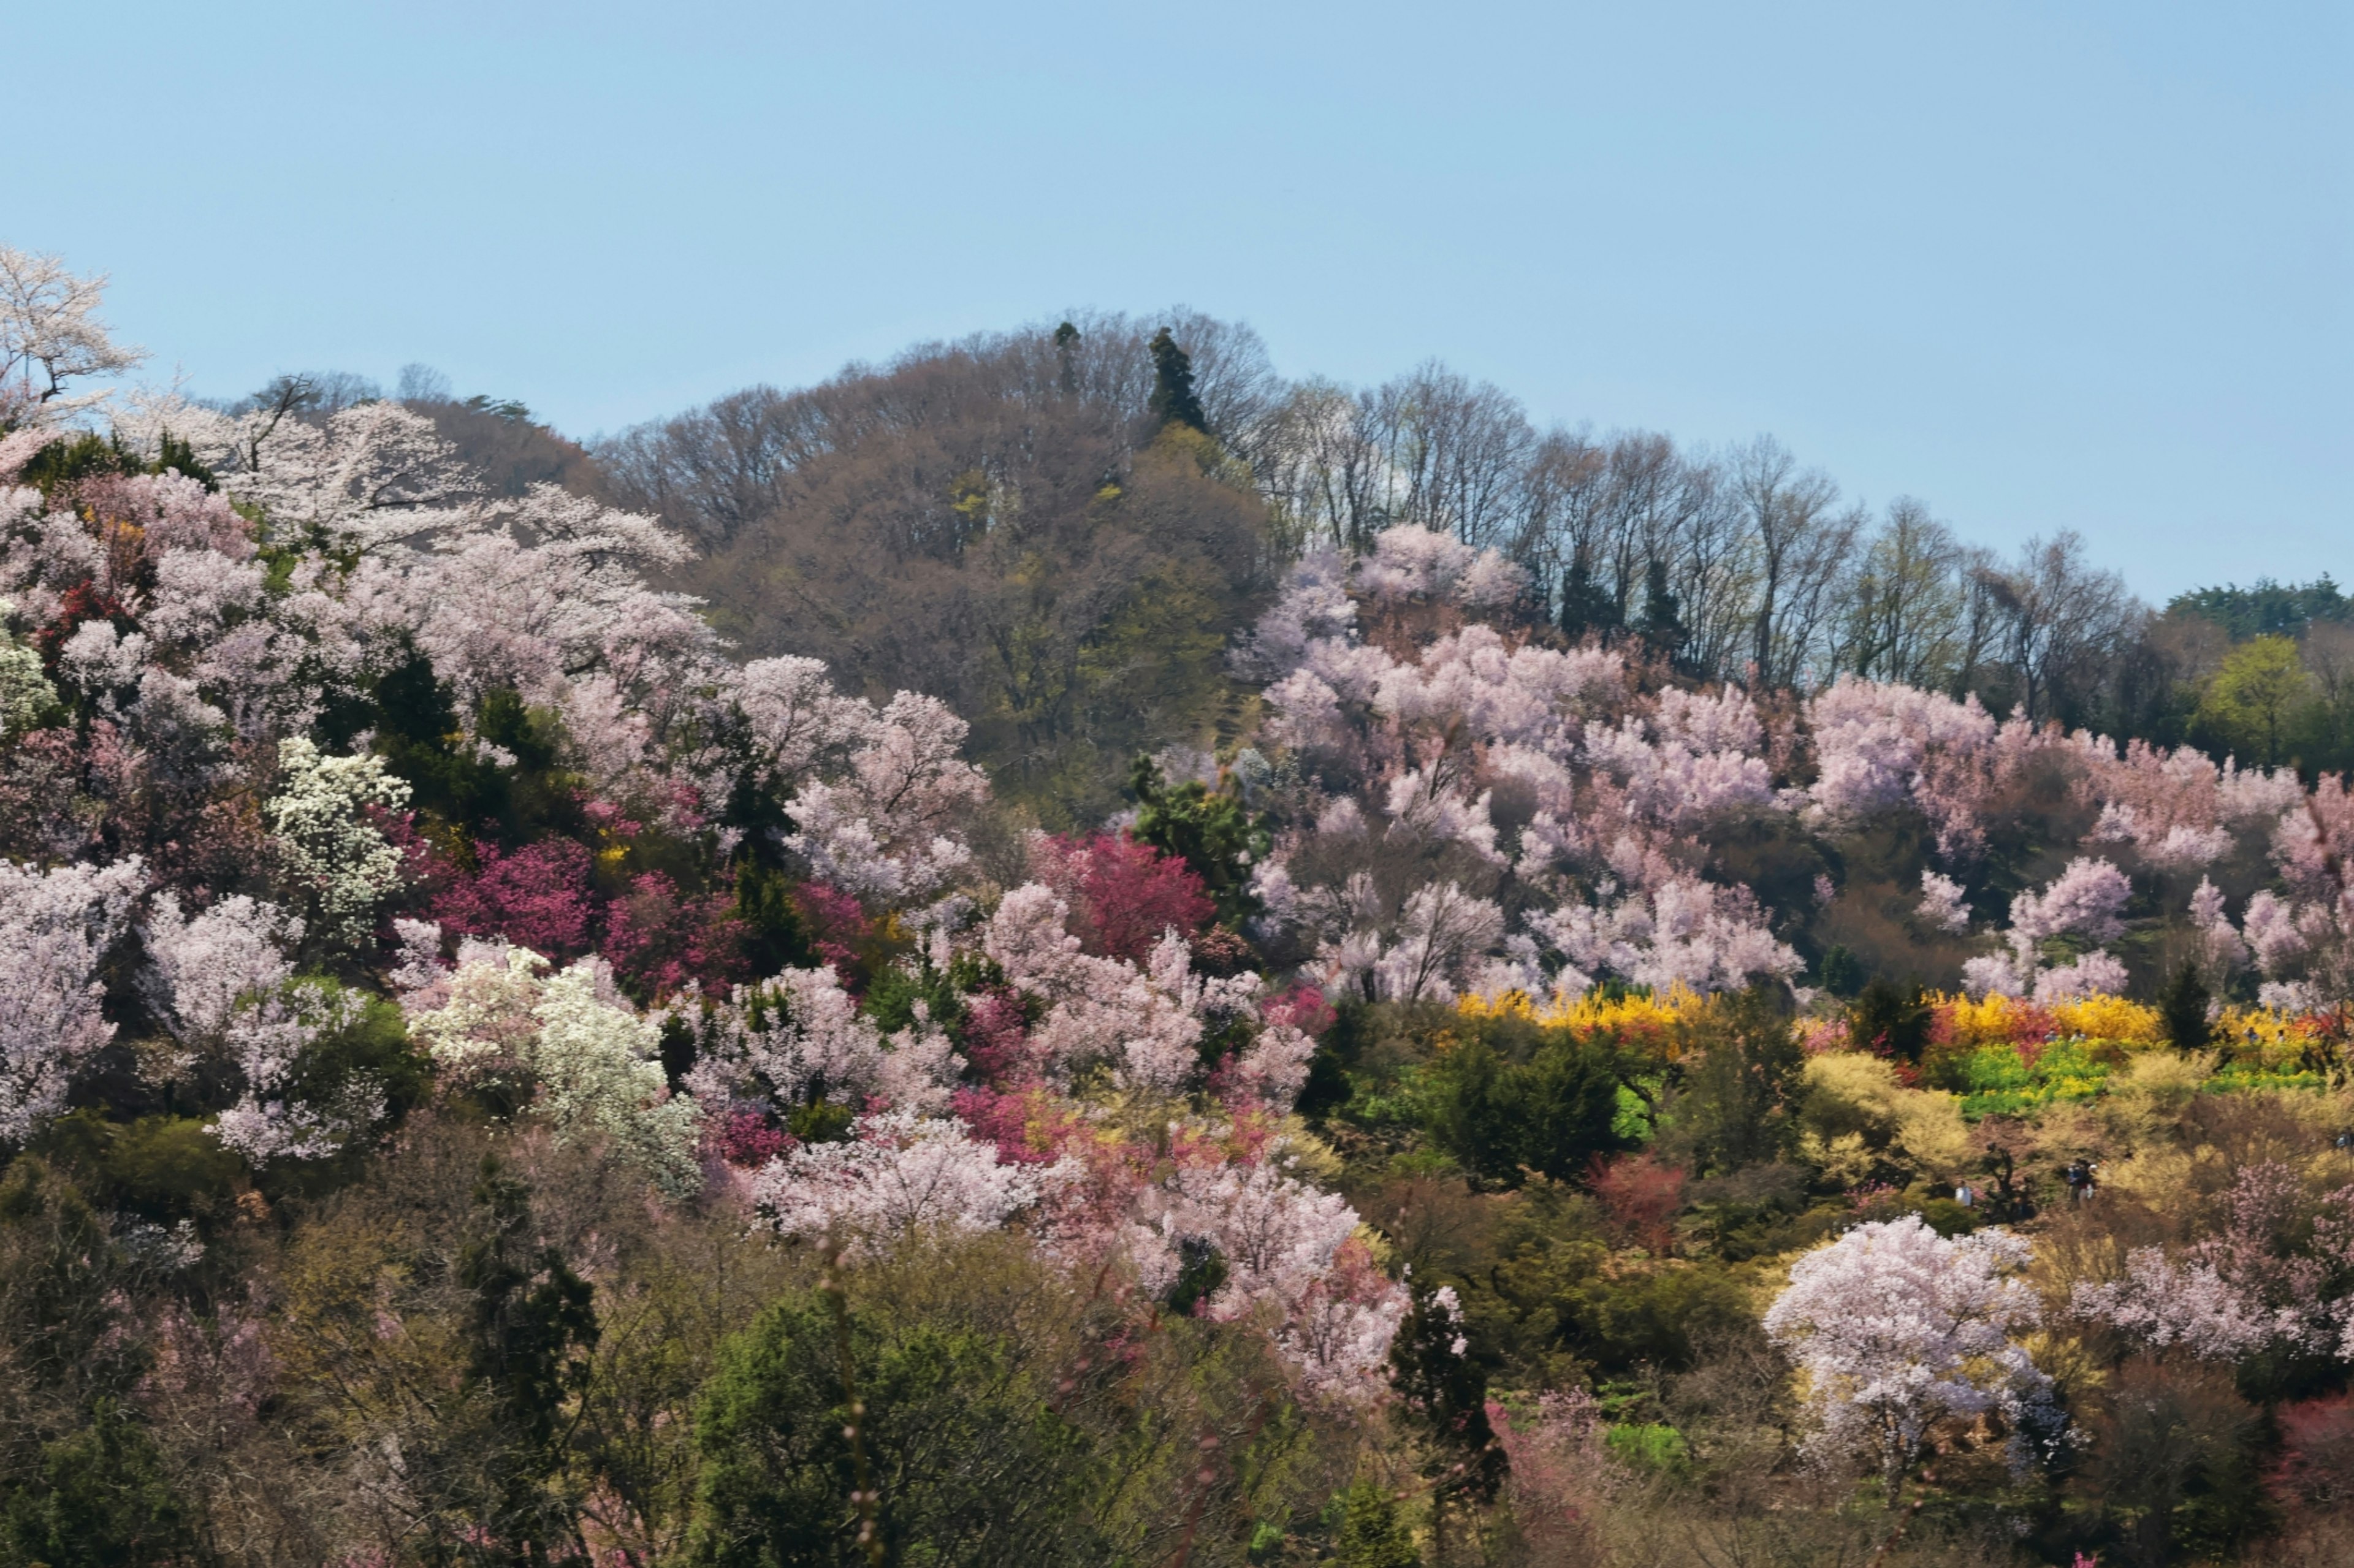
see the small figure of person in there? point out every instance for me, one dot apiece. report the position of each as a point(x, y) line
point(1962, 1193)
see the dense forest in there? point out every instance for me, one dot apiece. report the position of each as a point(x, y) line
point(1065, 951)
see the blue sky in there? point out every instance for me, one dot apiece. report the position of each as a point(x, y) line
point(2050, 265)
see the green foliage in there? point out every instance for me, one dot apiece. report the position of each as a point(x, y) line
point(69, 460)
point(1174, 400)
point(1444, 1386)
point(1372, 1533)
point(80, 1479)
point(1662, 625)
point(2253, 698)
point(1841, 972)
point(1736, 1106)
point(2176, 1463)
point(897, 990)
point(1551, 1113)
point(776, 937)
point(530, 1328)
point(96, 1497)
point(1648, 1446)
point(1212, 832)
point(973, 1465)
point(164, 1168)
point(1946, 1217)
point(1559, 1292)
point(1754, 1211)
point(1585, 605)
point(1200, 1271)
point(819, 1121)
point(1997, 1080)
point(1890, 1020)
point(2266, 608)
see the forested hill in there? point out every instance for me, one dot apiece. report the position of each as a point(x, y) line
point(1064, 953)
point(988, 520)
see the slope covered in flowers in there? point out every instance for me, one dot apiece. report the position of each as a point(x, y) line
point(470, 1042)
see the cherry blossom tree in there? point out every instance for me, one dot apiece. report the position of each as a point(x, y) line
point(226, 991)
point(900, 1173)
point(2265, 1275)
point(50, 336)
point(1897, 1327)
point(56, 928)
point(319, 819)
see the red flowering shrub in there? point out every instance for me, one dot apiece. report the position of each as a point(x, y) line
point(1302, 1007)
point(995, 1032)
point(839, 922)
point(1123, 895)
point(749, 1141)
point(1641, 1193)
point(658, 940)
point(536, 897)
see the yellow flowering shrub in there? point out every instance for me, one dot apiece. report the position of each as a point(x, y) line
point(2267, 1037)
point(2007, 1019)
point(1652, 1023)
point(2110, 1018)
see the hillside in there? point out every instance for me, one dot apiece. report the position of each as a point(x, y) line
point(1062, 952)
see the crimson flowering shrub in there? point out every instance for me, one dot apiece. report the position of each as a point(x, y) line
point(1123, 894)
point(537, 896)
point(660, 940)
point(1642, 1193)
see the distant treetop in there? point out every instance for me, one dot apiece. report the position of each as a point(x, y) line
point(2264, 606)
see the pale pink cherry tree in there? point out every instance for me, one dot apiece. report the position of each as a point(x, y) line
point(898, 1174)
point(2179, 807)
point(1144, 1022)
point(1881, 746)
point(800, 1036)
point(882, 828)
point(2267, 1274)
point(56, 927)
point(1685, 932)
point(224, 988)
point(1897, 1327)
point(1942, 907)
point(50, 336)
point(2085, 901)
point(1292, 1260)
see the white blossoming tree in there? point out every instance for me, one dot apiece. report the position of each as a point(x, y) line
point(1896, 1328)
point(331, 850)
point(56, 928)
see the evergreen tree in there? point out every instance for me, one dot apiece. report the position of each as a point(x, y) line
point(530, 1330)
point(2183, 1009)
point(1066, 350)
point(1173, 399)
point(1210, 831)
point(1662, 626)
point(1371, 1535)
point(1585, 605)
point(1443, 1389)
point(1890, 1020)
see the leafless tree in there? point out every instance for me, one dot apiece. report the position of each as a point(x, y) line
point(2062, 621)
point(1793, 533)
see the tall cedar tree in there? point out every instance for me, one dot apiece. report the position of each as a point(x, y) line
point(1174, 400)
point(2183, 1010)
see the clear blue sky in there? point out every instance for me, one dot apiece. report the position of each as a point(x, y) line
point(2046, 265)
